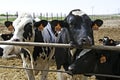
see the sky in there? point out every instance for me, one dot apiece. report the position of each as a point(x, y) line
point(60, 6)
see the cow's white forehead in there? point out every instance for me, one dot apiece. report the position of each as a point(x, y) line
point(23, 15)
point(105, 38)
point(78, 13)
point(23, 19)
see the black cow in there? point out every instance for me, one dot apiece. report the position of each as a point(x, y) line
point(107, 41)
point(63, 55)
point(38, 38)
point(108, 60)
point(80, 30)
point(81, 33)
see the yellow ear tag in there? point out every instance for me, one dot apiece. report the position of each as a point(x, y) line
point(95, 27)
point(58, 27)
point(103, 59)
point(41, 27)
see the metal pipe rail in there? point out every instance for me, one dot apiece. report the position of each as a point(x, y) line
point(88, 74)
point(117, 48)
point(16, 67)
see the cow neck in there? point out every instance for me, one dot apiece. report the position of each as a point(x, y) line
point(83, 52)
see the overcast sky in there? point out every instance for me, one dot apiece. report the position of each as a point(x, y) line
point(58, 6)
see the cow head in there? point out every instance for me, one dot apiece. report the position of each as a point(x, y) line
point(81, 33)
point(107, 41)
point(23, 28)
point(80, 27)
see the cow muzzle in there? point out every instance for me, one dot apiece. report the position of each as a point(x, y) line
point(84, 41)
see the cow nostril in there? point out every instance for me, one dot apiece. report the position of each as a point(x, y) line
point(84, 40)
point(16, 40)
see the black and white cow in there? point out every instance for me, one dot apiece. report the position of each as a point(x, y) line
point(81, 33)
point(63, 55)
point(43, 33)
point(109, 60)
point(24, 31)
point(107, 41)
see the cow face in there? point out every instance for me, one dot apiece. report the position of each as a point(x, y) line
point(84, 64)
point(80, 28)
point(107, 41)
point(23, 28)
point(28, 31)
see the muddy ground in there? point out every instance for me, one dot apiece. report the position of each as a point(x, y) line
point(110, 28)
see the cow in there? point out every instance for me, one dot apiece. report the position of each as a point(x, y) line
point(10, 51)
point(107, 41)
point(109, 60)
point(62, 56)
point(43, 33)
point(81, 33)
point(24, 32)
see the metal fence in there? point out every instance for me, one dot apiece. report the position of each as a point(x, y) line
point(45, 16)
point(115, 18)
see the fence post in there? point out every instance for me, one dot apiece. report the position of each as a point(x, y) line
point(7, 15)
point(46, 16)
point(57, 16)
point(16, 14)
point(52, 16)
point(34, 15)
point(41, 16)
point(61, 15)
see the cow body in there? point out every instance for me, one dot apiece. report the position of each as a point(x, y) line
point(109, 65)
point(63, 55)
point(43, 53)
point(81, 33)
point(24, 31)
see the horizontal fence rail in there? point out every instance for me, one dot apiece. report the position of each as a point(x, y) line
point(89, 74)
point(117, 48)
point(16, 67)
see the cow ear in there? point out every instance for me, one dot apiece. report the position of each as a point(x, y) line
point(100, 40)
point(111, 41)
point(98, 22)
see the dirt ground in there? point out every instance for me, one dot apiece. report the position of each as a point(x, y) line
point(113, 31)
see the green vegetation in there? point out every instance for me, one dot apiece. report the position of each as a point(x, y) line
point(105, 17)
point(11, 17)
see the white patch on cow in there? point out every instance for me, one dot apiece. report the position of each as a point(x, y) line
point(19, 24)
point(48, 35)
point(105, 38)
point(59, 75)
point(10, 51)
point(22, 19)
point(1, 39)
point(37, 19)
point(83, 52)
point(118, 45)
point(79, 13)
